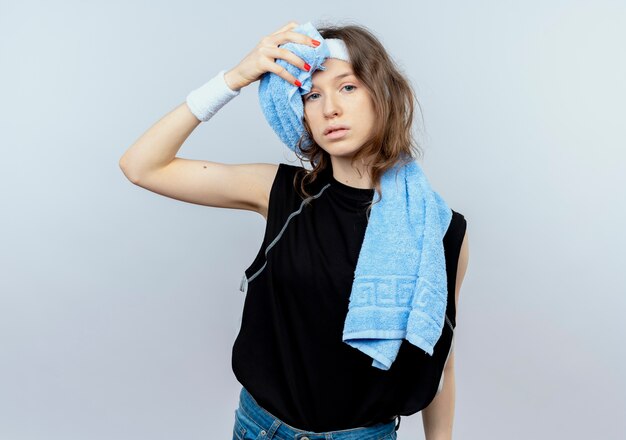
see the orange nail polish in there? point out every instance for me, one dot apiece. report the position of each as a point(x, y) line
point(316, 43)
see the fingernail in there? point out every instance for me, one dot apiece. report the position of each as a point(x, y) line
point(307, 67)
point(298, 83)
point(316, 43)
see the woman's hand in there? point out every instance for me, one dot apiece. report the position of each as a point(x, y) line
point(263, 58)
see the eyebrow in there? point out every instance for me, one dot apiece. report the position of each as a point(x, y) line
point(342, 75)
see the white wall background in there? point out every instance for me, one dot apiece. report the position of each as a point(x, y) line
point(119, 307)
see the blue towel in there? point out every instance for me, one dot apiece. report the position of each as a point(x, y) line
point(281, 101)
point(400, 281)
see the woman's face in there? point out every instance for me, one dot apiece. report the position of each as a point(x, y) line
point(341, 100)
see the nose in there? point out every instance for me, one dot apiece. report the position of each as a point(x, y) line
point(331, 107)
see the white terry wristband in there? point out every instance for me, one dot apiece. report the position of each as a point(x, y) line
point(205, 101)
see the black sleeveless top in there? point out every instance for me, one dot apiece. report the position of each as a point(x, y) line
point(289, 352)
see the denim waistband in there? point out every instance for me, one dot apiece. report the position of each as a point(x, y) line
point(273, 426)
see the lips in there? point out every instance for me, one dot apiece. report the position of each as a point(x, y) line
point(333, 128)
point(337, 134)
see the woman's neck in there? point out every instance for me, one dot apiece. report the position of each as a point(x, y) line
point(357, 177)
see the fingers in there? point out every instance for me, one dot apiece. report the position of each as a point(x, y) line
point(295, 37)
point(284, 35)
point(291, 58)
point(283, 73)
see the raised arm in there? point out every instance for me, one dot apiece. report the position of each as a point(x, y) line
point(151, 162)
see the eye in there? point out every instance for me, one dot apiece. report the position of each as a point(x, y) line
point(312, 94)
point(308, 97)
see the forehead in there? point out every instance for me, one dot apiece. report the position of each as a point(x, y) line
point(334, 67)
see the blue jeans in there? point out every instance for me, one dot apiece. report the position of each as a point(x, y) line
point(252, 422)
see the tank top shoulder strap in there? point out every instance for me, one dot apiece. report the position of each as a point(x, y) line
point(452, 245)
point(283, 201)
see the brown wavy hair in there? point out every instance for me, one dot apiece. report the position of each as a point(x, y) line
point(393, 100)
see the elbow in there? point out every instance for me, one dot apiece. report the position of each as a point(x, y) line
point(126, 169)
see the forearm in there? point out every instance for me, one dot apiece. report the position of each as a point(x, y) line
point(159, 145)
point(438, 417)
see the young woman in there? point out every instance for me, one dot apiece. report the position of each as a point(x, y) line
point(299, 379)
